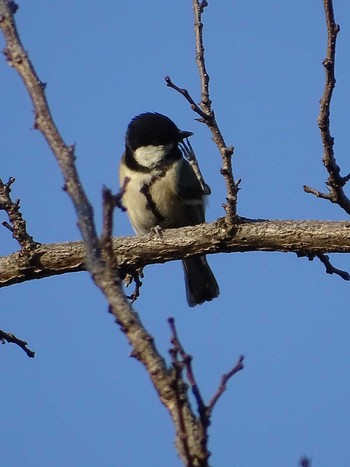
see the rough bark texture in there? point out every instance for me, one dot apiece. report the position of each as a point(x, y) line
point(170, 386)
point(302, 237)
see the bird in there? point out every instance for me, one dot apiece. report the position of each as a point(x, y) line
point(161, 190)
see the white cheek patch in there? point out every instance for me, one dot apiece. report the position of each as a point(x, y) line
point(150, 156)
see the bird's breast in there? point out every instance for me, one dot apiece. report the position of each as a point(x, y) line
point(151, 198)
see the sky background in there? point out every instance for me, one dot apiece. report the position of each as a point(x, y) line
point(82, 401)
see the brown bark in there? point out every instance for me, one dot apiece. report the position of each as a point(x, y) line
point(301, 237)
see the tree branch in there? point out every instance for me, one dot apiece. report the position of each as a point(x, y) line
point(102, 272)
point(17, 224)
point(302, 237)
point(330, 269)
point(97, 255)
point(223, 384)
point(335, 181)
point(178, 349)
point(11, 338)
point(185, 362)
point(181, 360)
point(207, 115)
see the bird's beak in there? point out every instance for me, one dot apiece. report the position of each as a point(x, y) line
point(184, 134)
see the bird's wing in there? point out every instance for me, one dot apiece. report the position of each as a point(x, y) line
point(190, 194)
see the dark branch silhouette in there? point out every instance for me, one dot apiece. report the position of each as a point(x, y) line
point(223, 384)
point(183, 361)
point(335, 181)
point(207, 115)
point(12, 339)
point(17, 225)
point(330, 269)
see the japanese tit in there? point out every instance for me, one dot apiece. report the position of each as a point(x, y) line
point(163, 190)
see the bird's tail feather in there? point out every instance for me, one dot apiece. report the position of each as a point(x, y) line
point(201, 285)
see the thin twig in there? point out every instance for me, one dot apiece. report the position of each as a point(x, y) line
point(225, 151)
point(17, 225)
point(204, 411)
point(11, 338)
point(179, 388)
point(198, 9)
point(109, 203)
point(317, 193)
point(138, 284)
point(187, 360)
point(195, 107)
point(222, 387)
point(118, 198)
point(207, 115)
point(330, 269)
point(335, 181)
point(135, 275)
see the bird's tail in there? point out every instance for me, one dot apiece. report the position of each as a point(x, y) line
point(201, 285)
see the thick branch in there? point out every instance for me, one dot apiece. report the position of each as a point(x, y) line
point(102, 272)
point(302, 237)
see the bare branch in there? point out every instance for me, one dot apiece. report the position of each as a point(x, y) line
point(102, 271)
point(207, 115)
point(109, 203)
point(204, 411)
point(98, 255)
point(180, 387)
point(11, 338)
point(188, 97)
point(187, 361)
point(17, 225)
point(136, 277)
point(133, 253)
point(225, 151)
point(330, 269)
point(318, 194)
point(222, 388)
point(198, 9)
point(335, 181)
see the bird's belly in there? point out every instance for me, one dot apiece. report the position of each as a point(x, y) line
point(151, 201)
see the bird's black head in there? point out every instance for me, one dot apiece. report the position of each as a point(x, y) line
point(153, 129)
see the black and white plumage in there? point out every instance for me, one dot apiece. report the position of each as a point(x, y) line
point(163, 190)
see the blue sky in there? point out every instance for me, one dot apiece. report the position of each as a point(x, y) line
point(82, 401)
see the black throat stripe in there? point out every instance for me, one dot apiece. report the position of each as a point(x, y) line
point(146, 191)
